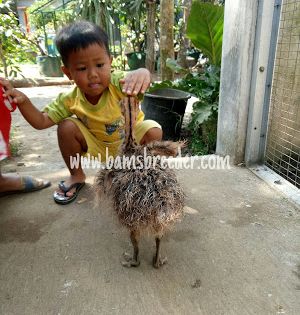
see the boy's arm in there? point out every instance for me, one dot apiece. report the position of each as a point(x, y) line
point(35, 118)
point(136, 82)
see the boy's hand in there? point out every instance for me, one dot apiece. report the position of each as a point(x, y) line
point(136, 82)
point(17, 97)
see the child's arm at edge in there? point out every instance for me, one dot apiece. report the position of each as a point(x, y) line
point(34, 117)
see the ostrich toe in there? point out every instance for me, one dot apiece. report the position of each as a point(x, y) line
point(158, 261)
point(130, 261)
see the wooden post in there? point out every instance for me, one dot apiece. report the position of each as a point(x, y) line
point(150, 49)
point(166, 37)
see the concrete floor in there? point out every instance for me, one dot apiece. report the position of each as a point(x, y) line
point(236, 251)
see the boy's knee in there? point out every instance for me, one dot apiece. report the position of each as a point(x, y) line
point(66, 126)
point(69, 132)
point(153, 134)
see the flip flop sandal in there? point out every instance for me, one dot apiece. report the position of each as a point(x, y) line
point(63, 199)
point(29, 184)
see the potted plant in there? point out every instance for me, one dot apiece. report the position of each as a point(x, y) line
point(204, 83)
point(167, 107)
point(45, 19)
point(49, 61)
point(133, 28)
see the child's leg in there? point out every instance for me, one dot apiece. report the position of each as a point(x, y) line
point(153, 134)
point(147, 131)
point(71, 142)
point(8, 183)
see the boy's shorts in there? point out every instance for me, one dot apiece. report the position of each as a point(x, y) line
point(96, 146)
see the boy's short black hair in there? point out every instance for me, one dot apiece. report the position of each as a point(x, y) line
point(79, 35)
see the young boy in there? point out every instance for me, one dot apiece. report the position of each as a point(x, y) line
point(94, 101)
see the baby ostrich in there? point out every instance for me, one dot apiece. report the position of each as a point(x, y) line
point(145, 196)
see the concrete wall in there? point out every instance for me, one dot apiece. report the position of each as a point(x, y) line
point(249, 45)
point(236, 71)
point(261, 81)
point(245, 57)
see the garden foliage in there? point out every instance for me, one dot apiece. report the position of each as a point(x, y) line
point(205, 29)
point(15, 47)
point(45, 19)
point(203, 124)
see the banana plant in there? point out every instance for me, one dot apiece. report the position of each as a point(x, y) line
point(95, 11)
point(205, 29)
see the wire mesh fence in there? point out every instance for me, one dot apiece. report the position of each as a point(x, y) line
point(283, 138)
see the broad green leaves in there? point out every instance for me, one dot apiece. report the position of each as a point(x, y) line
point(205, 29)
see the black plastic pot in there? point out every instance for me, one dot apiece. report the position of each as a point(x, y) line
point(167, 107)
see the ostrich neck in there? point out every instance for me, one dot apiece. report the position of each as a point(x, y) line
point(130, 120)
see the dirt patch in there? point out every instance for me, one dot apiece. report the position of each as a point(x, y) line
point(18, 229)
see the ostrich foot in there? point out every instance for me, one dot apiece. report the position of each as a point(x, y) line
point(158, 262)
point(130, 261)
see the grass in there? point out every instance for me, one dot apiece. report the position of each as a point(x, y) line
point(15, 145)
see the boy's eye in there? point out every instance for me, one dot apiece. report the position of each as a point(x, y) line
point(81, 68)
point(100, 65)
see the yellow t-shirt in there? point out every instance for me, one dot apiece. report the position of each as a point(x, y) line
point(104, 120)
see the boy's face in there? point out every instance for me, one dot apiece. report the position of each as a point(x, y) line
point(90, 69)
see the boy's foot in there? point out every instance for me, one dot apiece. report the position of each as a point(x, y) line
point(67, 194)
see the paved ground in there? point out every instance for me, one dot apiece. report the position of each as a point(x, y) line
point(236, 251)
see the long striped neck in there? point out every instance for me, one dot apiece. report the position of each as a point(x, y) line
point(129, 108)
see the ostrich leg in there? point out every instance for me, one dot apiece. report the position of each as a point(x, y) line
point(132, 261)
point(157, 261)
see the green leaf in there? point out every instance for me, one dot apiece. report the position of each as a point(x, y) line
point(201, 113)
point(205, 29)
point(161, 85)
point(8, 33)
point(172, 64)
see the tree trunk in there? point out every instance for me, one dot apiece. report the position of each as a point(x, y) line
point(102, 19)
point(184, 41)
point(150, 49)
point(166, 37)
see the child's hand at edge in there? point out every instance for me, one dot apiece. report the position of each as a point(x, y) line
point(136, 82)
point(36, 118)
point(17, 97)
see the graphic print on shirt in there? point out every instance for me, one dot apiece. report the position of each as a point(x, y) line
point(111, 128)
